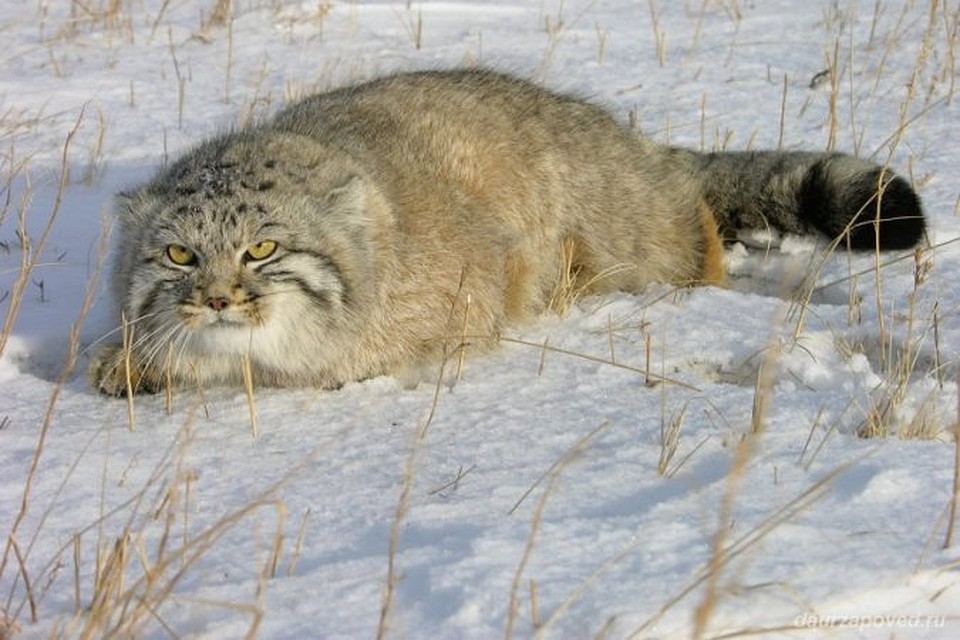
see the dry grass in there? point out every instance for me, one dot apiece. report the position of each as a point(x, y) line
point(955, 498)
point(31, 252)
point(129, 585)
point(898, 350)
point(403, 505)
point(669, 437)
point(898, 355)
point(66, 372)
point(724, 551)
point(139, 566)
point(659, 38)
point(551, 476)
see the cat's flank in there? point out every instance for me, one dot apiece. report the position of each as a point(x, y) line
point(365, 231)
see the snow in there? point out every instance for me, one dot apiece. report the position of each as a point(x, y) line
point(532, 482)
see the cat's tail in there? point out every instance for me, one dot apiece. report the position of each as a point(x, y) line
point(862, 204)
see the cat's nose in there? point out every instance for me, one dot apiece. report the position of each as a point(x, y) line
point(217, 303)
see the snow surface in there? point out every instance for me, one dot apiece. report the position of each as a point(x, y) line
point(530, 485)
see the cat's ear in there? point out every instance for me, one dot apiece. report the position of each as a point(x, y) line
point(350, 195)
point(353, 203)
point(356, 205)
point(123, 201)
point(130, 206)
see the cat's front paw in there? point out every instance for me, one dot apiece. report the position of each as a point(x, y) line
point(114, 372)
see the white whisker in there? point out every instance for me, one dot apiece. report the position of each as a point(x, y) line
point(117, 330)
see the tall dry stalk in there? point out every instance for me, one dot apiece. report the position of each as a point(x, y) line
point(403, 507)
point(552, 475)
point(955, 498)
point(730, 551)
point(66, 372)
point(659, 38)
point(32, 253)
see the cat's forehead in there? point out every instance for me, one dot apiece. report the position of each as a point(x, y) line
point(221, 177)
point(225, 221)
point(222, 192)
point(227, 191)
point(255, 164)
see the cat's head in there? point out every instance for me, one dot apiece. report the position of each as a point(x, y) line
point(247, 244)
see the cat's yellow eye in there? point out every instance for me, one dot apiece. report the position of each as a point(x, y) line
point(181, 255)
point(261, 250)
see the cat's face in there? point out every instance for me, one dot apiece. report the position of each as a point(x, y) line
point(234, 256)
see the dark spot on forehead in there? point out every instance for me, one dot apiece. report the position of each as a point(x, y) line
point(254, 184)
point(211, 180)
point(188, 210)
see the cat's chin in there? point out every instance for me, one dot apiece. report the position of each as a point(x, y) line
point(223, 338)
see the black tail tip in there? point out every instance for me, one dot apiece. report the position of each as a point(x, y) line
point(873, 208)
point(892, 210)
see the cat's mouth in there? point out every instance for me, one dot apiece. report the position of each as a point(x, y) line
point(211, 328)
point(204, 318)
point(227, 323)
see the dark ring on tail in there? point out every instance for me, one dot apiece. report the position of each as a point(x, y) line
point(873, 202)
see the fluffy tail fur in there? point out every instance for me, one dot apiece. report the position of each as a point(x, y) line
point(804, 192)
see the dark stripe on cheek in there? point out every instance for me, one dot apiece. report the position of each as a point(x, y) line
point(148, 303)
point(324, 263)
point(150, 300)
point(321, 298)
point(334, 268)
point(260, 266)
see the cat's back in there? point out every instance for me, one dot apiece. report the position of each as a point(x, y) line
point(472, 155)
point(476, 128)
point(522, 155)
point(455, 103)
